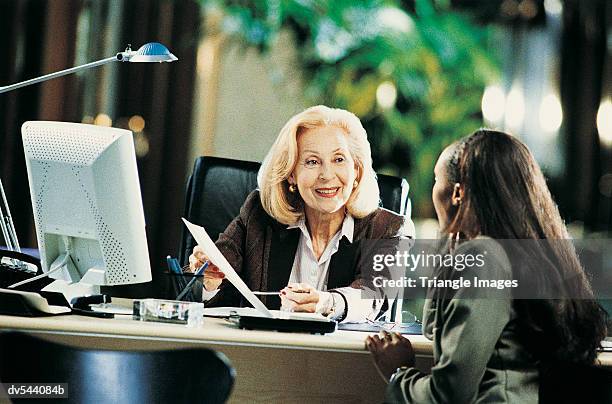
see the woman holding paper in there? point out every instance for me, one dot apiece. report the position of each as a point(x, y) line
point(489, 343)
point(299, 233)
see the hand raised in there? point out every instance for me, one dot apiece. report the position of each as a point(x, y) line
point(213, 276)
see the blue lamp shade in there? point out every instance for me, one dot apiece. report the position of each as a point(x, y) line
point(152, 52)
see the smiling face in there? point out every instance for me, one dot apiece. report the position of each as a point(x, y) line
point(325, 170)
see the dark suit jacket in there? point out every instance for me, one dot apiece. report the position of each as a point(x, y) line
point(262, 251)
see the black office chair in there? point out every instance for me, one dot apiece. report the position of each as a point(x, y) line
point(218, 187)
point(103, 376)
point(562, 383)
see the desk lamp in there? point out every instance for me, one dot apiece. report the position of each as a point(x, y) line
point(149, 52)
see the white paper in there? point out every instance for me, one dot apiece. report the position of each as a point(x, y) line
point(204, 240)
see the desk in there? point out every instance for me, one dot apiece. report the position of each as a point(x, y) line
point(330, 368)
point(271, 366)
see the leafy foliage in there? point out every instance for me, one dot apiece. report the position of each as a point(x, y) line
point(435, 59)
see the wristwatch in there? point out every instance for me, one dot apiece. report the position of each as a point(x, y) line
point(397, 372)
point(339, 316)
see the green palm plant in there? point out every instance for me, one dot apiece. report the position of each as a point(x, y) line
point(434, 62)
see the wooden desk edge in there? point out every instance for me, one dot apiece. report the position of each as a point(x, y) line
point(354, 341)
point(219, 333)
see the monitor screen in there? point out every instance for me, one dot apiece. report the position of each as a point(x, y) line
point(86, 202)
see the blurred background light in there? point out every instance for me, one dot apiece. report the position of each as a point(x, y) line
point(551, 113)
point(493, 103)
point(604, 121)
point(515, 108)
point(553, 7)
point(141, 144)
point(136, 123)
point(386, 95)
point(103, 120)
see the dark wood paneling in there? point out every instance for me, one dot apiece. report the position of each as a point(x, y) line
point(39, 36)
point(163, 96)
point(582, 55)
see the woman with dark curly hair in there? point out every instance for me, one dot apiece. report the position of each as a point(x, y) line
point(490, 344)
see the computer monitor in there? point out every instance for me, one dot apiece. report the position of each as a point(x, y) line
point(87, 204)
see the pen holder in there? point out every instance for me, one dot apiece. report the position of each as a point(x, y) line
point(178, 282)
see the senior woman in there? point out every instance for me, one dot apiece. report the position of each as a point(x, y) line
point(300, 232)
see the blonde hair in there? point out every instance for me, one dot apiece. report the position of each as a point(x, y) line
point(281, 160)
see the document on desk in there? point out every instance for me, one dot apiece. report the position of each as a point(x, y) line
point(203, 239)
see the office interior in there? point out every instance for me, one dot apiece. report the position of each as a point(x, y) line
point(539, 69)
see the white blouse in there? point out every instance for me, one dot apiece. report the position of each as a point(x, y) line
point(307, 269)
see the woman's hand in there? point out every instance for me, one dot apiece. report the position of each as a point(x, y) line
point(212, 275)
point(299, 297)
point(390, 352)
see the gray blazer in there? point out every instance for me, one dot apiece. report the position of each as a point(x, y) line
point(477, 354)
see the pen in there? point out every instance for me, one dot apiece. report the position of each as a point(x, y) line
point(177, 266)
point(297, 290)
point(277, 293)
point(200, 272)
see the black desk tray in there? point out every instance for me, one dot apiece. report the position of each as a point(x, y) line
point(284, 325)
